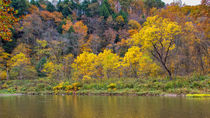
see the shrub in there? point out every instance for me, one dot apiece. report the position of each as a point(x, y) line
point(76, 86)
point(3, 75)
point(41, 86)
point(112, 86)
point(4, 86)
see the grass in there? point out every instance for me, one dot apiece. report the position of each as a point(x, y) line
point(191, 86)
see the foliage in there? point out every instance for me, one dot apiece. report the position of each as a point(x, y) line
point(109, 63)
point(139, 63)
point(84, 64)
point(21, 6)
point(112, 86)
point(50, 7)
point(105, 9)
point(157, 37)
point(7, 19)
point(3, 58)
point(96, 40)
point(134, 27)
point(3, 75)
point(53, 70)
point(67, 87)
point(21, 67)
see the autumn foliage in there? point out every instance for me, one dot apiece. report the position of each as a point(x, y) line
point(103, 39)
point(7, 19)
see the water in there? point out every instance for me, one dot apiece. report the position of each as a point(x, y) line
point(103, 107)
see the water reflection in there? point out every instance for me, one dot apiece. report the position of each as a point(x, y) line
point(102, 107)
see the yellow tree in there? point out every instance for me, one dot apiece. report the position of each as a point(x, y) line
point(3, 64)
point(53, 70)
point(7, 20)
point(85, 65)
point(21, 67)
point(109, 63)
point(131, 59)
point(139, 63)
point(134, 27)
point(22, 48)
point(157, 37)
point(41, 49)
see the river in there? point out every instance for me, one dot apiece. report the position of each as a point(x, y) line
point(103, 107)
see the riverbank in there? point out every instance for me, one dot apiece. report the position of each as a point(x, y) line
point(179, 86)
point(105, 94)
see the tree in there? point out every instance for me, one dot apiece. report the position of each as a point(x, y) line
point(79, 32)
point(157, 37)
point(205, 2)
point(33, 2)
point(105, 9)
point(7, 20)
point(120, 21)
point(3, 64)
point(109, 63)
point(84, 7)
point(50, 7)
point(85, 65)
point(66, 7)
point(33, 28)
point(153, 3)
point(67, 62)
point(134, 27)
point(21, 6)
point(39, 67)
point(53, 70)
point(125, 4)
point(80, 28)
point(21, 67)
point(93, 8)
point(138, 63)
point(55, 17)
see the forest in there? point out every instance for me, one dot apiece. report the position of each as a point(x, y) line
point(105, 45)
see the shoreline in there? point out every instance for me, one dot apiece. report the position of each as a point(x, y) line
point(107, 94)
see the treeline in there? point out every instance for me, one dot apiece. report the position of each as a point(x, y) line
point(102, 39)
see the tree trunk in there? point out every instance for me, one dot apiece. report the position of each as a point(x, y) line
point(167, 70)
point(7, 74)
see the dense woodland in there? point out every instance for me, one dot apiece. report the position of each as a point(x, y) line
point(103, 39)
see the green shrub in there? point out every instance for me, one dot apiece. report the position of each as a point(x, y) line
point(40, 86)
point(23, 88)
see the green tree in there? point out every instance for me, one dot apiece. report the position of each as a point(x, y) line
point(21, 6)
point(105, 9)
point(50, 7)
point(40, 66)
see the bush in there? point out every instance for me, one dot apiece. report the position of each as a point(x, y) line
point(40, 86)
point(67, 87)
point(4, 86)
point(112, 86)
point(3, 75)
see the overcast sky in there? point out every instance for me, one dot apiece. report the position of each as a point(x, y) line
point(187, 2)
